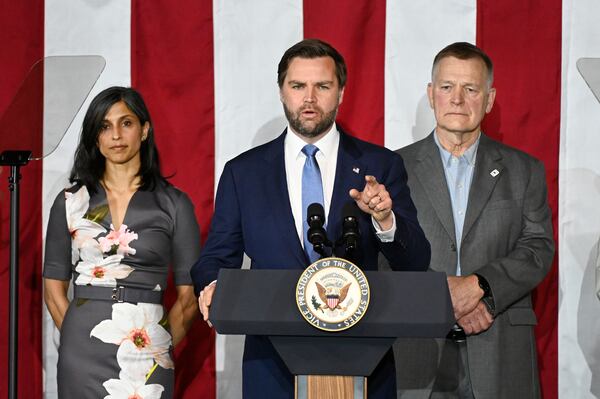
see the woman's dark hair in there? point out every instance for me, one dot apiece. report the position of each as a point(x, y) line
point(89, 164)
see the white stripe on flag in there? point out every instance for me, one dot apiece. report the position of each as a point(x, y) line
point(415, 32)
point(579, 223)
point(249, 41)
point(79, 28)
point(250, 38)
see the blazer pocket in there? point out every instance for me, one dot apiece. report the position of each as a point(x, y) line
point(521, 316)
point(502, 204)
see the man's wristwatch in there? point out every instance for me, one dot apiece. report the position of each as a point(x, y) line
point(487, 298)
point(483, 284)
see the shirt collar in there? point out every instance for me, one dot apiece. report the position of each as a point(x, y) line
point(326, 144)
point(469, 155)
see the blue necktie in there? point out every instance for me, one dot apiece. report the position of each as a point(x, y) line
point(312, 191)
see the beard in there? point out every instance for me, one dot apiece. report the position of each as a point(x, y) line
point(303, 129)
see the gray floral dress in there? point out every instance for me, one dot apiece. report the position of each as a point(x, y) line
point(111, 348)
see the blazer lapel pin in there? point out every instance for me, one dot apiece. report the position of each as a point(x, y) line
point(494, 173)
point(355, 170)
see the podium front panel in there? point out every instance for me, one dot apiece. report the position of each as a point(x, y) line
point(352, 356)
point(262, 302)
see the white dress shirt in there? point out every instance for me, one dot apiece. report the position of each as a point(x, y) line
point(326, 157)
point(294, 165)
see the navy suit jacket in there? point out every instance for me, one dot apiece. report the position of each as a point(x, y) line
point(253, 216)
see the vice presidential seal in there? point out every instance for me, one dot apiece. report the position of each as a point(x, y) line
point(332, 294)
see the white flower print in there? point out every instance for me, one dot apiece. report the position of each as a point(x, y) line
point(142, 341)
point(97, 270)
point(81, 229)
point(128, 387)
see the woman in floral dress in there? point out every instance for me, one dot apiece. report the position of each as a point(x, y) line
point(115, 233)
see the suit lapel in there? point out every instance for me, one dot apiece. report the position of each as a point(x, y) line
point(279, 198)
point(349, 173)
point(430, 173)
point(488, 170)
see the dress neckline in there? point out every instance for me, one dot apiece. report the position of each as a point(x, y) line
point(102, 190)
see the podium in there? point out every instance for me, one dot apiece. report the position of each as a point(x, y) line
point(262, 302)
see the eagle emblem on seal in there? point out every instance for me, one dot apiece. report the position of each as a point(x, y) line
point(332, 295)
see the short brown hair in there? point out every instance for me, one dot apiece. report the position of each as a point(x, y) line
point(465, 51)
point(312, 48)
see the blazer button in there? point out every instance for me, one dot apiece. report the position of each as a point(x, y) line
point(452, 247)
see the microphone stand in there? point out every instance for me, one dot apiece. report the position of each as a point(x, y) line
point(321, 242)
point(350, 231)
point(14, 159)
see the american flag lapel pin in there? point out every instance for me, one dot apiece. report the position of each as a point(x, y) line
point(494, 173)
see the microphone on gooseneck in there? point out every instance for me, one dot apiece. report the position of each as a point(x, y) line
point(316, 234)
point(350, 230)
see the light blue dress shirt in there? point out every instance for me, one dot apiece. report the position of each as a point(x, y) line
point(459, 175)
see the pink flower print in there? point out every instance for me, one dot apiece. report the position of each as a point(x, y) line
point(117, 241)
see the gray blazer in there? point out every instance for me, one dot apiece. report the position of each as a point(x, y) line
point(507, 238)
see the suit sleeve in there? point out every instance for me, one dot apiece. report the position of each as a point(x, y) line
point(521, 270)
point(225, 244)
point(410, 250)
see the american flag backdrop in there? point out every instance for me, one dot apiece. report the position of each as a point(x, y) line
point(207, 70)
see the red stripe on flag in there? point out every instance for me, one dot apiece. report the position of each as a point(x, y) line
point(358, 33)
point(23, 45)
point(524, 41)
point(172, 66)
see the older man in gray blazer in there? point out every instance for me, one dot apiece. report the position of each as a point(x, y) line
point(483, 207)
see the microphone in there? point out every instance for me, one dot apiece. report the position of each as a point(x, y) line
point(350, 230)
point(316, 234)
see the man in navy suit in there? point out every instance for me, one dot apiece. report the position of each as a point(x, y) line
point(258, 207)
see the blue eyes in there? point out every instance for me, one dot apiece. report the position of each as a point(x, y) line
point(300, 87)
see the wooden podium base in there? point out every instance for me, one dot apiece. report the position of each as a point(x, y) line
point(330, 387)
